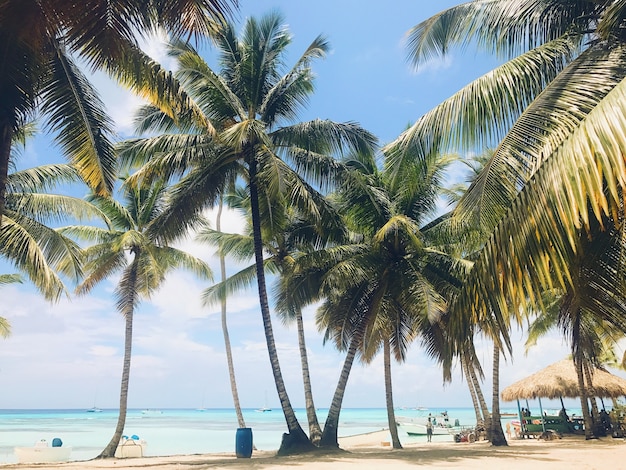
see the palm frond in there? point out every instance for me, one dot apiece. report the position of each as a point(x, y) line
point(482, 112)
point(77, 115)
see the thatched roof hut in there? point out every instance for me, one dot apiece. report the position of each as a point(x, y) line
point(560, 380)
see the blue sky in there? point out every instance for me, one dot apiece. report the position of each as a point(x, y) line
point(69, 355)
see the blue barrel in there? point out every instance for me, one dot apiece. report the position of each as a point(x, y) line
point(243, 443)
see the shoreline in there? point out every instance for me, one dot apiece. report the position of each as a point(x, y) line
point(371, 451)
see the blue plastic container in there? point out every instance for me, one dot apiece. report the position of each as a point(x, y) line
point(243, 443)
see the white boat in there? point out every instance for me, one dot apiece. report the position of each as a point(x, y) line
point(264, 408)
point(419, 429)
point(41, 452)
point(151, 412)
point(417, 426)
point(95, 409)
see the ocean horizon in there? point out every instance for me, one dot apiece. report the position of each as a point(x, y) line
point(187, 431)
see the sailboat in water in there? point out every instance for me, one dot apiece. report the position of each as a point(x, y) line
point(264, 408)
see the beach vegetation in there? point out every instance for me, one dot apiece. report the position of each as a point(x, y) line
point(245, 130)
point(45, 40)
point(287, 235)
point(386, 285)
point(557, 172)
point(128, 248)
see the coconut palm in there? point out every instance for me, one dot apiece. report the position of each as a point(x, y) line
point(286, 235)
point(130, 248)
point(559, 130)
point(248, 107)
point(223, 305)
point(573, 311)
point(388, 285)
point(39, 75)
point(559, 161)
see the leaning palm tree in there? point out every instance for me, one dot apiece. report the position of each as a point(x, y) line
point(129, 248)
point(38, 72)
point(287, 235)
point(559, 132)
point(245, 129)
point(388, 285)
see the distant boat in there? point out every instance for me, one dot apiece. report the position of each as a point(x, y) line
point(42, 453)
point(264, 408)
point(421, 408)
point(151, 412)
point(95, 409)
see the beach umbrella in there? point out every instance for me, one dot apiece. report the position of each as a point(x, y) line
point(560, 380)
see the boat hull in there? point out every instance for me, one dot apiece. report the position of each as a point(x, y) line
point(42, 454)
point(414, 429)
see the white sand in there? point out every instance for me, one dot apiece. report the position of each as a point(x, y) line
point(370, 451)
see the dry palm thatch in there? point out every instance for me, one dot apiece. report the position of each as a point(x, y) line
point(559, 380)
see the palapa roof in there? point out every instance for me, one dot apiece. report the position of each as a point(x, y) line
point(560, 380)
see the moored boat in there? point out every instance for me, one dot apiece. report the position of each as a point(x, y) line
point(416, 426)
point(41, 452)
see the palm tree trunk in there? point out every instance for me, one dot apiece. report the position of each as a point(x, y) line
point(109, 450)
point(598, 429)
point(296, 440)
point(584, 402)
point(329, 435)
point(497, 433)
point(391, 416)
point(229, 353)
point(472, 390)
point(486, 423)
point(6, 138)
point(315, 431)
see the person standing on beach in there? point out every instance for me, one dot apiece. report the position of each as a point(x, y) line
point(429, 430)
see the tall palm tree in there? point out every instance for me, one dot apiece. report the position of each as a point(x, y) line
point(39, 74)
point(247, 108)
point(388, 285)
point(130, 248)
point(560, 133)
point(286, 235)
point(223, 304)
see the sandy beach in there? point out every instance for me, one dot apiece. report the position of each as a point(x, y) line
point(371, 451)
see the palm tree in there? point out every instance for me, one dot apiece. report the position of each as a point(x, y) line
point(561, 142)
point(129, 248)
point(245, 131)
point(573, 311)
point(225, 333)
point(286, 235)
point(388, 285)
point(38, 73)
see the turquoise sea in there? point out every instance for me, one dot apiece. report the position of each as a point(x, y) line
point(183, 431)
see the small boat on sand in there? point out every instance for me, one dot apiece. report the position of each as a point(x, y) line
point(416, 426)
point(41, 452)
